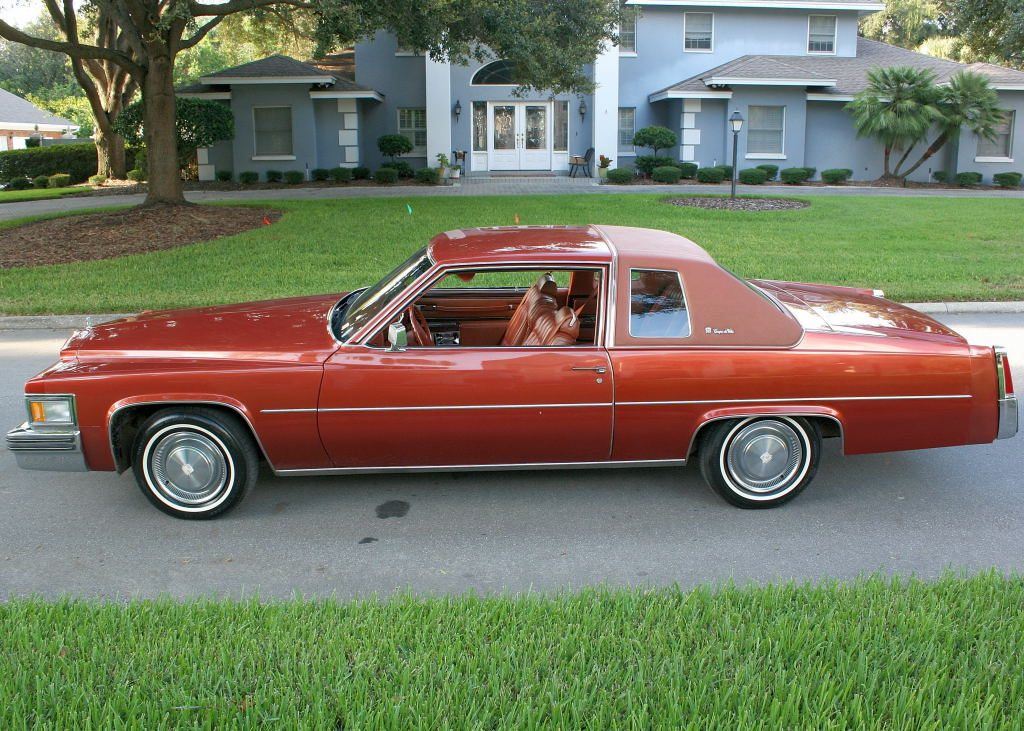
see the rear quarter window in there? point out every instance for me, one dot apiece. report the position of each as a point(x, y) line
point(657, 304)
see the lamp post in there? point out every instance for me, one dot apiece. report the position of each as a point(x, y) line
point(736, 123)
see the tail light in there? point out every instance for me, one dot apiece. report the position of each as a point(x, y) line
point(1004, 378)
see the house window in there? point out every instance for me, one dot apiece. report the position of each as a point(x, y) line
point(627, 128)
point(479, 126)
point(496, 73)
point(560, 125)
point(821, 34)
point(698, 31)
point(412, 124)
point(627, 31)
point(272, 129)
point(1001, 146)
point(765, 131)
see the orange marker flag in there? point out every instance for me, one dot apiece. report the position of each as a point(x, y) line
point(517, 219)
point(266, 220)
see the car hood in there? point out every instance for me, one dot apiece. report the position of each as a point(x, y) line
point(851, 309)
point(293, 329)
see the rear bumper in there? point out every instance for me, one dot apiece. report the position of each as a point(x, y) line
point(1008, 417)
point(57, 451)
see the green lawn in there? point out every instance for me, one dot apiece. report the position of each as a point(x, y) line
point(916, 249)
point(872, 654)
point(34, 194)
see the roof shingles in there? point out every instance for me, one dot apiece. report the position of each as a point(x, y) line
point(15, 110)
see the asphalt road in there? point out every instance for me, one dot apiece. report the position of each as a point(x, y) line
point(94, 534)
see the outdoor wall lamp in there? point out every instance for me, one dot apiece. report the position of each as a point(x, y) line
point(457, 110)
point(736, 124)
point(583, 109)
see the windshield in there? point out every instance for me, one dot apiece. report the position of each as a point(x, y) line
point(372, 300)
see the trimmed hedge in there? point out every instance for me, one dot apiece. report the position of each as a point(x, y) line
point(60, 180)
point(811, 172)
point(249, 177)
point(274, 176)
point(620, 176)
point(687, 170)
point(294, 177)
point(968, 179)
point(386, 176)
point(793, 176)
point(430, 176)
point(136, 176)
point(77, 160)
point(97, 179)
point(1007, 180)
point(726, 171)
point(753, 176)
point(340, 175)
point(940, 176)
point(666, 174)
point(19, 183)
point(710, 175)
point(770, 170)
point(647, 163)
point(320, 174)
point(836, 176)
point(360, 173)
point(41, 181)
point(224, 176)
point(401, 167)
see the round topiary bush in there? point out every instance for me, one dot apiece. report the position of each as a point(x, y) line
point(710, 175)
point(136, 175)
point(726, 171)
point(386, 176)
point(620, 176)
point(361, 173)
point(60, 180)
point(687, 170)
point(248, 177)
point(666, 174)
point(770, 170)
point(341, 175)
point(97, 179)
point(294, 177)
point(793, 176)
point(274, 176)
point(41, 181)
point(430, 176)
point(836, 176)
point(394, 145)
point(811, 172)
point(19, 184)
point(1007, 180)
point(753, 176)
point(968, 179)
point(224, 176)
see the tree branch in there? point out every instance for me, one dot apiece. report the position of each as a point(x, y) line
point(201, 33)
point(15, 35)
point(237, 6)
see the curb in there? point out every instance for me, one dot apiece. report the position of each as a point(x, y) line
point(77, 322)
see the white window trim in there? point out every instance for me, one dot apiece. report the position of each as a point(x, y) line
point(1009, 143)
point(416, 151)
point(291, 111)
point(769, 155)
point(636, 40)
point(629, 151)
point(835, 35)
point(699, 50)
point(993, 159)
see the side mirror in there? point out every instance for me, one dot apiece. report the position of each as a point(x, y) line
point(398, 338)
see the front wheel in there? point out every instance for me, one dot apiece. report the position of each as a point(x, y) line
point(760, 462)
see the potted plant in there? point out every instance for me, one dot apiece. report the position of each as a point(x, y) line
point(442, 164)
point(603, 163)
point(456, 172)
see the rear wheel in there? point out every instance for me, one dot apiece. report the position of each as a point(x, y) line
point(760, 462)
point(194, 463)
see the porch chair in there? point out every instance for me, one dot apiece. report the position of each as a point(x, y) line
point(577, 163)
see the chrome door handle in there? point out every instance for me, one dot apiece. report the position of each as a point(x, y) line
point(596, 369)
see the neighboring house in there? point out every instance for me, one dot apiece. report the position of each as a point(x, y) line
point(788, 66)
point(21, 119)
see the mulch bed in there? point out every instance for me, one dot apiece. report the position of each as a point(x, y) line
point(133, 231)
point(740, 204)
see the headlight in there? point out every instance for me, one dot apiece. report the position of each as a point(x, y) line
point(51, 410)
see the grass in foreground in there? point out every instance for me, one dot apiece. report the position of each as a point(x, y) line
point(875, 653)
point(919, 249)
point(34, 194)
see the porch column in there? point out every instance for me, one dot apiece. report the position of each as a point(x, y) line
point(605, 115)
point(439, 112)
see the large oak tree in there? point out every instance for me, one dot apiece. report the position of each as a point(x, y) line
point(549, 41)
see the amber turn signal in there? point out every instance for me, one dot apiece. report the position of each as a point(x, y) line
point(37, 411)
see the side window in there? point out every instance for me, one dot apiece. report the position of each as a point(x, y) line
point(657, 306)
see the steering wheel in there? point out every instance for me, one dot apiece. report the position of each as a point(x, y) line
point(420, 328)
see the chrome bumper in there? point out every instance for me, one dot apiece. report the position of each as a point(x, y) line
point(1008, 417)
point(57, 450)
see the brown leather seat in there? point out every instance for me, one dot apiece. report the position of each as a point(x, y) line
point(519, 326)
point(551, 325)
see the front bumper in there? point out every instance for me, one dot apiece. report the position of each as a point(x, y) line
point(1008, 417)
point(53, 450)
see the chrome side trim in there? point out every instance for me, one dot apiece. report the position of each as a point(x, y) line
point(52, 450)
point(816, 399)
point(287, 411)
point(754, 415)
point(483, 467)
point(1000, 354)
point(474, 407)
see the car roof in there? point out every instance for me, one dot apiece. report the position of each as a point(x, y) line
point(555, 244)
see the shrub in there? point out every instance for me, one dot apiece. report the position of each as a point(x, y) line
point(836, 176)
point(940, 176)
point(710, 175)
point(687, 170)
point(401, 167)
point(224, 176)
point(294, 177)
point(340, 175)
point(19, 183)
point(620, 176)
point(136, 175)
point(656, 138)
point(360, 173)
point(394, 145)
point(41, 181)
point(811, 172)
point(1007, 180)
point(141, 161)
point(753, 176)
point(320, 174)
point(386, 176)
point(97, 179)
point(647, 163)
point(726, 171)
point(666, 174)
point(770, 170)
point(249, 177)
point(793, 176)
point(77, 160)
point(968, 178)
point(33, 141)
point(430, 176)
point(60, 180)
point(274, 176)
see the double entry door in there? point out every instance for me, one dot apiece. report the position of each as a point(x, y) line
point(520, 137)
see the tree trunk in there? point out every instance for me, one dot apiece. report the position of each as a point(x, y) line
point(932, 149)
point(886, 173)
point(110, 155)
point(161, 139)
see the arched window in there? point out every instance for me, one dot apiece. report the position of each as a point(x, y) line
point(496, 73)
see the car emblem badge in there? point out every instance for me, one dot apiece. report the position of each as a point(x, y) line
point(719, 331)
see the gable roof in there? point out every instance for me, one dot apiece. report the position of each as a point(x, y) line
point(838, 76)
point(277, 67)
point(864, 6)
point(322, 77)
point(17, 111)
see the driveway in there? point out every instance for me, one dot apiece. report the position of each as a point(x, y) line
point(94, 534)
point(518, 185)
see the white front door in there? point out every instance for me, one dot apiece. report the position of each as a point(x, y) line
point(520, 135)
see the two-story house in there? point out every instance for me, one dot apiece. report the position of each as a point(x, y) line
point(788, 66)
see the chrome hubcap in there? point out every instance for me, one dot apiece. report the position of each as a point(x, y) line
point(764, 457)
point(189, 468)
